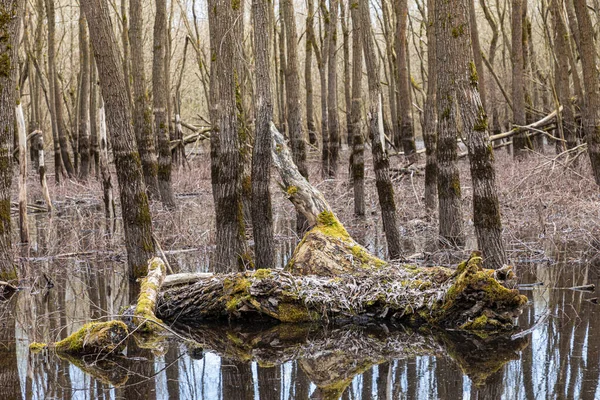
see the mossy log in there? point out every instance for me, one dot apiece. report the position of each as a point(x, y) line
point(469, 298)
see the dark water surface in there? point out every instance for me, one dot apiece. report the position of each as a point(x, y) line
point(560, 359)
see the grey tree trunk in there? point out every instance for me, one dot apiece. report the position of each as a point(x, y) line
point(225, 147)
point(381, 162)
point(462, 73)
point(591, 112)
point(333, 122)
point(518, 79)
point(160, 93)
point(430, 117)
point(10, 26)
point(357, 140)
point(142, 114)
point(137, 221)
point(262, 215)
point(448, 178)
point(310, 39)
point(84, 100)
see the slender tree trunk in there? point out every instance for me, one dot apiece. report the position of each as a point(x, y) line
point(344, 18)
point(405, 122)
point(449, 190)
point(142, 115)
point(160, 93)
point(333, 122)
point(381, 163)
point(518, 79)
point(591, 111)
point(561, 77)
point(430, 117)
point(310, 40)
point(137, 222)
point(94, 145)
point(357, 140)
point(10, 26)
point(84, 99)
point(294, 109)
point(322, 63)
point(225, 147)
point(477, 54)
point(262, 216)
point(58, 165)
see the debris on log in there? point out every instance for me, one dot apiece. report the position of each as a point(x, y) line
point(469, 298)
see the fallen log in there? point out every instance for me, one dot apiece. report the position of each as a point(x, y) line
point(468, 298)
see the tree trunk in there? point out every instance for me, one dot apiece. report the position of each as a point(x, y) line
point(430, 117)
point(381, 162)
point(518, 79)
point(591, 111)
point(94, 144)
point(137, 221)
point(310, 39)
point(405, 122)
point(345, 18)
point(84, 99)
point(561, 79)
point(333, 123)
point(462, 72)
point(294, 109)
point(448, 178)
point(358, 143)
point(160, 93)
point(142, 115)
point(58, 164)
point(262, 214)
point(477, 55)
point(225, 146)
point(10, 24)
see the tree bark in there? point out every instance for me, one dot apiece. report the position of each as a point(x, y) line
point(10, 24)
point(160, 93)
point(430, 115)
point(137, 221)
point(405, 122)
point(518, 79)
point(591, 112)
point(462, 72)
point(448, 178)
point(310, 39)
point(225, 146)
point(262, 214)
point(381, 162)
point(294, 109)
point(333, 123)
point(84, 99)
point(142, 115)
point(357, 139)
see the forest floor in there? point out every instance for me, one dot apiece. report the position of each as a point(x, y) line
point(547, 206)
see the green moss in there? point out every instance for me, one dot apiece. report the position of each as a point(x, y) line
point(456, 186)
point(365, 258)
point(94, 337)
point(291, 190)
point(329, 225)
point(458, 31)
point(262, 274)
point(474, 78)
point(36, 347)
point(291, 312)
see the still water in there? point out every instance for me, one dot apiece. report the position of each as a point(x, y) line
point(75, 273)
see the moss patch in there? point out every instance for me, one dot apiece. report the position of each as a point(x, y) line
point(95, 338)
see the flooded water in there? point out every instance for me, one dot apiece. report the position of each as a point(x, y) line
point(74, 272)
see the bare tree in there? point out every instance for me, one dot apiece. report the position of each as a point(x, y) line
point(381, 162)
point(142, 115)
point(430, 117)
point(137, 222)
point(518, 79)
point(160, 96)
point(262, 215)
point(84, 99)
